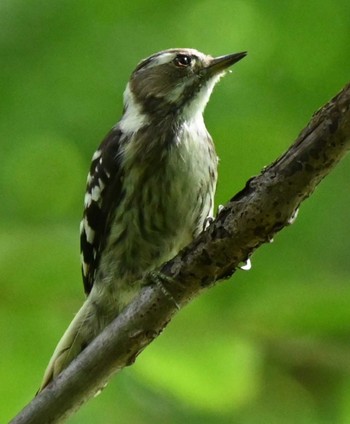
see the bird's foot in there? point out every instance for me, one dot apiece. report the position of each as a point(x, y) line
point(161, 280)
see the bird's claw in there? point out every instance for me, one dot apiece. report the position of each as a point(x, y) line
point(158, 278)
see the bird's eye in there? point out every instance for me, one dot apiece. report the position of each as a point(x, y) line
point(182, 61)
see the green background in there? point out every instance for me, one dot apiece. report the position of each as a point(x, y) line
point(268, 346)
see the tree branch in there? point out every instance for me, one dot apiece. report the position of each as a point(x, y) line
point(252, 217)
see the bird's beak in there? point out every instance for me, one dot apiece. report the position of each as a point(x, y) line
point(219, 64)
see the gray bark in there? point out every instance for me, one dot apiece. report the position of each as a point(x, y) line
point(252, 217)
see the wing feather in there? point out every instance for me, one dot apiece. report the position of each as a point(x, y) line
point(103, 193)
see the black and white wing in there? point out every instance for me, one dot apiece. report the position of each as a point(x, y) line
point(103, 193)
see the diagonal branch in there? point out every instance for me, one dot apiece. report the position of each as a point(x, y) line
point(252, 217)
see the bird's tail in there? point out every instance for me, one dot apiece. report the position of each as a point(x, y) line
point(78, 335)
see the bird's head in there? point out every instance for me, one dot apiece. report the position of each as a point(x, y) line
point(176, 82)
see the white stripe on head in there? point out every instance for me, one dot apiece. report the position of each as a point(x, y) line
point(168, 56)
point(160, 59)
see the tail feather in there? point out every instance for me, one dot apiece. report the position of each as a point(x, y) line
point(78, 335)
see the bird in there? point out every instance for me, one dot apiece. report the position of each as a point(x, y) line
point(150, 189)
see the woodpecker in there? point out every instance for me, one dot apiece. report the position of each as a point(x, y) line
point(150, 189)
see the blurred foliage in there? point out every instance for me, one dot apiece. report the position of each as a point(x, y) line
point(270, 345)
